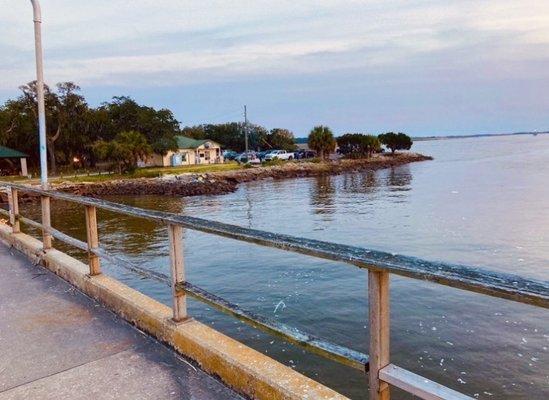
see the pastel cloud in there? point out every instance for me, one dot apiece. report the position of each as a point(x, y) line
point(152, 44)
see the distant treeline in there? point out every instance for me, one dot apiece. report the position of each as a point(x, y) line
point(73, 127)
point(231, 135)
point(77, 132)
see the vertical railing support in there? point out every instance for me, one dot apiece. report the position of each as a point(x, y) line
point(379, 319)
point(14, 211)
point(93, 240)
point(175, 233)
point(46, 222)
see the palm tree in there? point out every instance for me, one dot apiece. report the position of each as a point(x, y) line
point(321, 139)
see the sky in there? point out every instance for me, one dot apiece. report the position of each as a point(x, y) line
point(422, 67)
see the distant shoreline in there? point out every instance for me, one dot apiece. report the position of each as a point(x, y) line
point(480, 135)
point(216, 183)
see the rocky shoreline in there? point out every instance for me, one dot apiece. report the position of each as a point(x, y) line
point(216, 183)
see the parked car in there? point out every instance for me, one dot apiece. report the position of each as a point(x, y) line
point(229, 154)
point(262, 154)
point(304, 154)
point(279, 155)
point(250, 157)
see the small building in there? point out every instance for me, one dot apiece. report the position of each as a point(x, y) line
point(190, 152)
point(7, 156)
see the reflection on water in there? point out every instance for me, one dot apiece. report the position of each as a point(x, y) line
point(468, 206)
point(365, 183)
point(399, 179)
point(323, 196)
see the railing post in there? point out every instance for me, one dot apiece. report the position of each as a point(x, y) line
point(14, 211)
point(93, 240)
point(175, 233)
point(379, 319)
point(46, 222)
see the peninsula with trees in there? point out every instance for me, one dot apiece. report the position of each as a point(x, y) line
point(98, 150)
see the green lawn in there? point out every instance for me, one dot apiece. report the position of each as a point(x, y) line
point(13, 178)
point(152, 172)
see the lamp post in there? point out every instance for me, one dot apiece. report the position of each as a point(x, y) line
point(40, 92)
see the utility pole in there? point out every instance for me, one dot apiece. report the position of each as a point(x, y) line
point(246, 130)
point(40, 92)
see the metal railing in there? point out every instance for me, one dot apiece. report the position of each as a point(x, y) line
point(379, 265)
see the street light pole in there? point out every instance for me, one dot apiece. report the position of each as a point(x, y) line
point(40, 92)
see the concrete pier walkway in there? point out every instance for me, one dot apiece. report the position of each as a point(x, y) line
point(56, 343)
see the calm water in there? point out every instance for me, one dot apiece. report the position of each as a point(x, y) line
point(483, 202)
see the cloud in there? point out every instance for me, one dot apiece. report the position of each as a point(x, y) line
point(423, 50)
point(117, 41)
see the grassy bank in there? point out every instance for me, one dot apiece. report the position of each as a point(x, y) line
point(153, 172)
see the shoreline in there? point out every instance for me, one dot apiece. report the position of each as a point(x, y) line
point(217, 183)
point(224, 182)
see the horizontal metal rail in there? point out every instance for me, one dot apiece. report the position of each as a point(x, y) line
point(313, 344)
point(474, 279)
point(418, 385)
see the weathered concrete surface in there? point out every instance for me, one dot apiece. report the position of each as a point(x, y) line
point(56, 343)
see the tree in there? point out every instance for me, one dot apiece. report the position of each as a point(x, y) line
point(18, 128)
point(371, 144)
point(158, 126)
point(72, 136)
point(358, 145)
point(73, 127)
point(396, 141)
point(20, 120)
point(65, 122)
point(52, 109)
point(195, 132)
point(231, 135)
point(257, 136)
point(281, 139)
point(321, 139)
point(98, 127)
point(125, 150)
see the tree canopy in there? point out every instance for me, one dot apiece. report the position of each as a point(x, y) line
point(282, 139)
point(321, 139)
point(231, 136)
point(124, 151)
point(158, 126)
point(396, 141)
point(73, 126)
point(358, 144)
